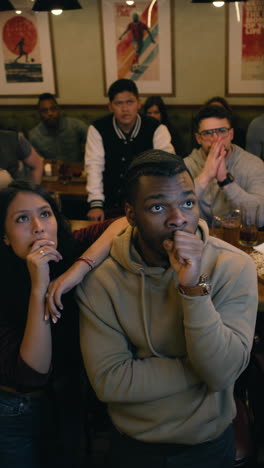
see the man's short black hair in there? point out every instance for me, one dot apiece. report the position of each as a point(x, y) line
point(152, 162)
point(45, 96)
point(208, 112)
point(120, 86)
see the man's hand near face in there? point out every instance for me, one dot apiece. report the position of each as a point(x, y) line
point(221, 171)
point(215, 166)
point(185, 255)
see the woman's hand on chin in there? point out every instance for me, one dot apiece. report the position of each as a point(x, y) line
point(41, 253)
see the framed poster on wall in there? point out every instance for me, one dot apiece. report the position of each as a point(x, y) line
point(137, 42)
point(26, 62)
point(245, 48)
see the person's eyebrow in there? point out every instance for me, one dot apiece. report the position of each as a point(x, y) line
point(28, 211)
point(187, 193)
point(161, 196)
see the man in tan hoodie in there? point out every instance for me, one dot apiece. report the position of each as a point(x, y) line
point(167, 323)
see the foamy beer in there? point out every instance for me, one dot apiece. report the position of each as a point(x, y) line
point(231, 227)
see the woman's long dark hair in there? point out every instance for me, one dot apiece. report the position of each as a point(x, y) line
point(14, 276)
point(7, 195)
point(157, 101)
point(176, 138)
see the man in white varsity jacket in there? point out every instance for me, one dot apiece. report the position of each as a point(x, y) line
point(112, 142)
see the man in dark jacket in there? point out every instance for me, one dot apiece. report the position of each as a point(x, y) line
point(113, 141)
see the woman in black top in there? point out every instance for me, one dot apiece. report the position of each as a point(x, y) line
point(39, 357)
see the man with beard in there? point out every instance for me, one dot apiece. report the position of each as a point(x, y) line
point(57, 137)
point(225, 175)
point(168, 326)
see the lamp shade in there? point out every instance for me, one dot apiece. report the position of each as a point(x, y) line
point(48, 5)
point(6, 5)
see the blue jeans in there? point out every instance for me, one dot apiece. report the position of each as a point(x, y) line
point(24, 423)
point(41, 431)
point(129, 453)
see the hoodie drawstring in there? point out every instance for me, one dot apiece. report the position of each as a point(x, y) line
point(144, 314)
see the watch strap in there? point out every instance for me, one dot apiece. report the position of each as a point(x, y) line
point(201, 289)
point(228, 180)
point(197, 290)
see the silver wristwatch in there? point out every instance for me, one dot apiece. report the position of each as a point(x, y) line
point(203, 288)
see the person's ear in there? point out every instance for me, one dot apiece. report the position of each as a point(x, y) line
point(231, 134)
point(198, 138)
point(6, 240)
point(130, 214)
point(110, 107)
point(139, 103)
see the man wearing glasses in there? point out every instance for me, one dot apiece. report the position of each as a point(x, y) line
point(57, 136)
point(225, 175)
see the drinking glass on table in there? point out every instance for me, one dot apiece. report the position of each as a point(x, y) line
point(65, 173)
point(231, 226)
point(249, 222)
point(217, 227)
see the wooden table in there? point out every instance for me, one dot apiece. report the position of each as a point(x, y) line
point(80, 223)
point(260, 284)
point(261, 297)
point(66, 189)
point(248, 250)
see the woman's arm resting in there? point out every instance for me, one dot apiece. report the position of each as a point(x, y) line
point(98, 251)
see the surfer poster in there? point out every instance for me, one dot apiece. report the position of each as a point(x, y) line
point(137, 43)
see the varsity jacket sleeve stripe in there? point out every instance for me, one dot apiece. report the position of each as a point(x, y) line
point(162, 139)
point(94, 165)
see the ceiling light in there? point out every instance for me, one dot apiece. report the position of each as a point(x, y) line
point(18, 12)
point(218, 4)
point(130, 2)
point(6, 5)
point(49, 5)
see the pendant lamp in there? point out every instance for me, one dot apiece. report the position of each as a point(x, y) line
point(48, 5)
point(6, 5)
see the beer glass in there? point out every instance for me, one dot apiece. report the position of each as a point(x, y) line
point(231, 227)
point(249, 222)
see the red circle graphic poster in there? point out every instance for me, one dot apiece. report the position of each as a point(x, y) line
point(19, 32)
